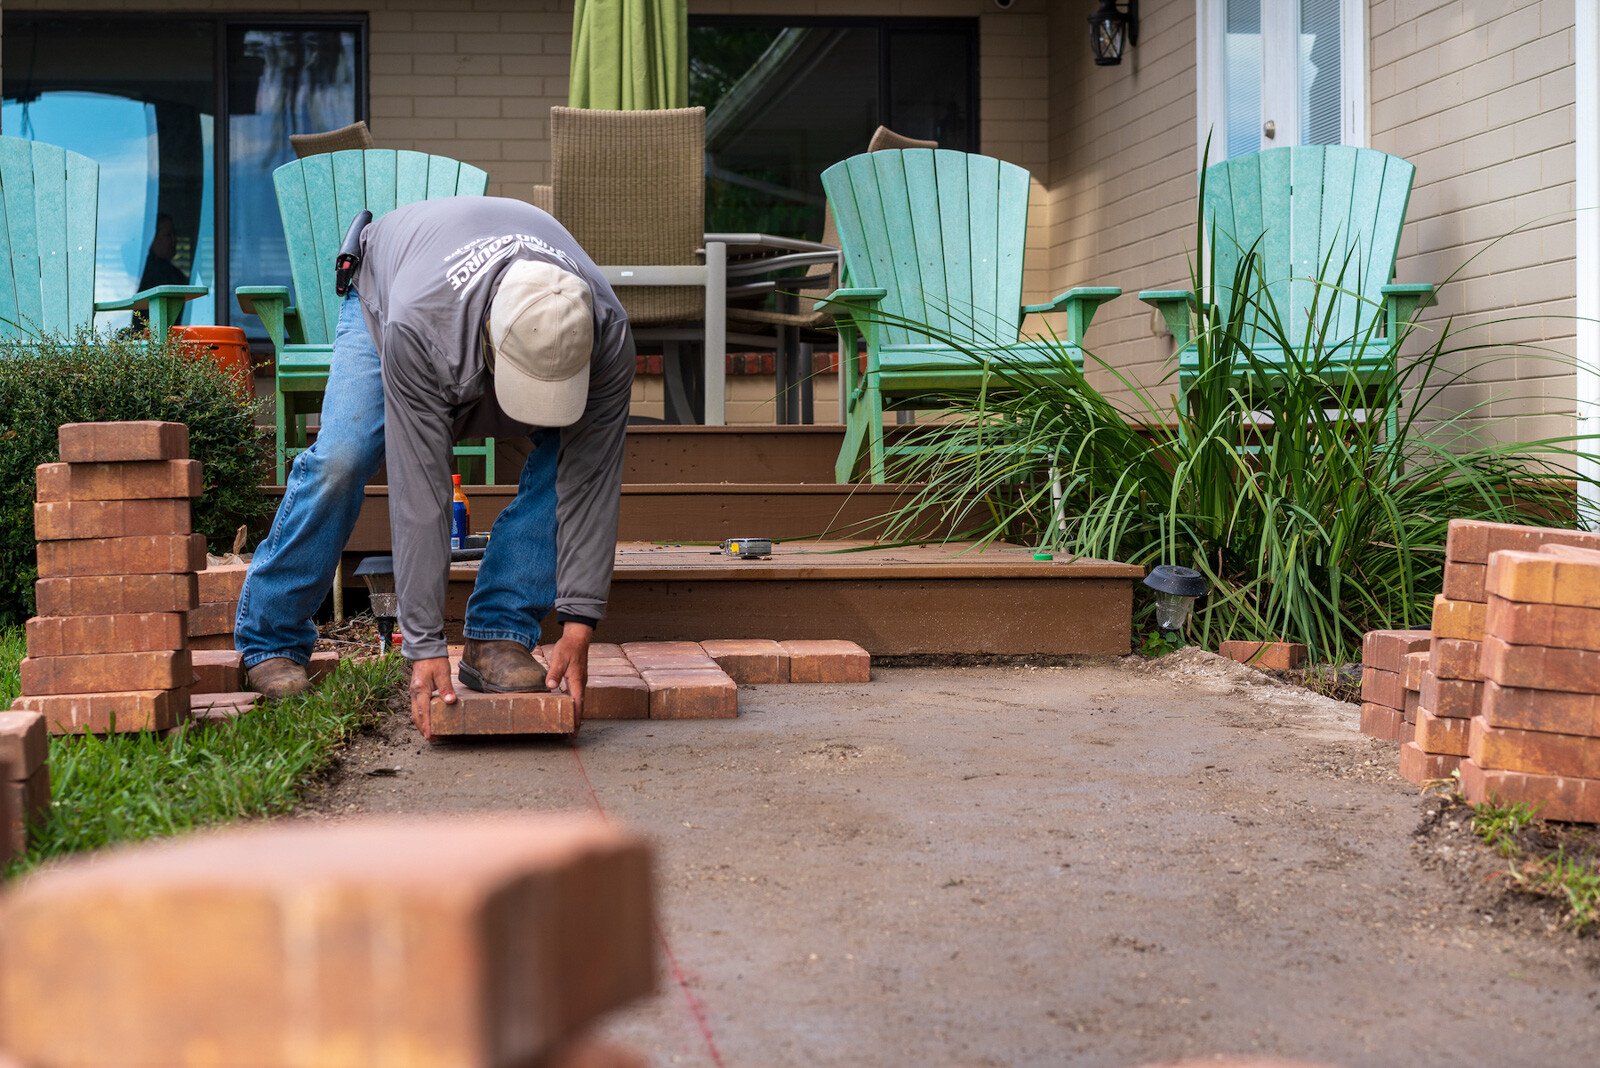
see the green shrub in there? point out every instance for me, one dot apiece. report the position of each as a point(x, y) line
point(1326, 526)
point(93, 378)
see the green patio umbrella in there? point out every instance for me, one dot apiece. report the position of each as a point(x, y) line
point(630, 55)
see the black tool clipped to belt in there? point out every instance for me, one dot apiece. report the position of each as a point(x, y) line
point(344, 268)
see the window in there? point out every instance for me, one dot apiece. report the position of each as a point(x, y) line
point(786, 98)
point(1281, 73)
point(187, 117)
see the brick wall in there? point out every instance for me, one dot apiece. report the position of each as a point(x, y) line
point(1480, 96)
point(1122, 175)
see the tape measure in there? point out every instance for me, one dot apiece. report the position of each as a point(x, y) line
point(747, 548)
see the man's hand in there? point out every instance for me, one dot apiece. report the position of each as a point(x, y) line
point(569, 661)
point(426, 677)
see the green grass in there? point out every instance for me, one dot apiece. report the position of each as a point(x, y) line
point(129, 787)
point(1544, 860)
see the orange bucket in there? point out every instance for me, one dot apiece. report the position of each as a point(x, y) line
point(227, 345)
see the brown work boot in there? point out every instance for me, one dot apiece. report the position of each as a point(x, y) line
point(500, 667)
point(278, 677)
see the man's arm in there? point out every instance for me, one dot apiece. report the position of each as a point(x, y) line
point(417, 439)
point(589, 485)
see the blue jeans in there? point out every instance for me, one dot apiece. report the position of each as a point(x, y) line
point(294, 567)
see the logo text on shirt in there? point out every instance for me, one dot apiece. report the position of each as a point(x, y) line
point(465, 267)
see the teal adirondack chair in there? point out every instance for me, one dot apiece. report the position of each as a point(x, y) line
point(936, 238)
point(317, 198)
point(1310, 211)
point(49, 206)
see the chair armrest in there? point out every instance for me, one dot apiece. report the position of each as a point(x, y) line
point(1421, 292)
point(1401, 302)
point(1174, 306)
point(164, 304)
point(271, 305)
point(1080, 304)
point(848, 301)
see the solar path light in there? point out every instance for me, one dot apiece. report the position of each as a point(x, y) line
point(1176, 590)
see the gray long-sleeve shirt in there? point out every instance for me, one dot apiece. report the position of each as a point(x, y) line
point(429, 271)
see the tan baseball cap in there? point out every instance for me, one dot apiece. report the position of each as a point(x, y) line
point(541, 327)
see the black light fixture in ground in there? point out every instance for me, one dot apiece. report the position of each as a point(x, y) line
point(1112, 28)
point(1176, 589)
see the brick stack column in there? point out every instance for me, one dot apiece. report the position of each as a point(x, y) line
point(1452, 688)
point(1383, 686)
point(1536, 739)
point(24, 779)
point(117, 561)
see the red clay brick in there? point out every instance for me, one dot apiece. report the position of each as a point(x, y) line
point(447, 940)
point(1456, 659)
point(1458, 619)
point(690, 694)
point(29, 803)
point(1413, 703)
point(222, 582)
point(1450, 698)
point(1387, 650)
point(1473, 541)
point(1539, 667)
point(1551, 576)
point(1544, 624)
point(101, 713)
point(828, 661)
point(24, 743)
point(1534, 751)
point(616, 697)
point(1384, 688)
point(148, 554)
point(1437, 735)
point(1552, 797)
point(1384, 724)
point(606, 651)
point(324, 662)
point(1464, 582)
point(216, 671)
point(105, 673)
point(211, 642)
point(1416, 665)
point(83, 443)
point(71, 520)
point(666, 655)
point(222, 707)
point(1265, 656)
point(76, 635)
point(476, 714)
point(209, 620)
point(118, 482)
point(1419, 767)
point(752, 661)
point(114, 595)
point(617, 669)
point(1541, 710)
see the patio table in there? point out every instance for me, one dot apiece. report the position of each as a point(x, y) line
point(729, 258)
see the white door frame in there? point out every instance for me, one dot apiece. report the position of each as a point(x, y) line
point(1586, 59)
point(1210, 24)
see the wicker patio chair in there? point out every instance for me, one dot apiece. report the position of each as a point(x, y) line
point(356, 135)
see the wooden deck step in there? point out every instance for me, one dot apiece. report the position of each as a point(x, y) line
point(939, 599)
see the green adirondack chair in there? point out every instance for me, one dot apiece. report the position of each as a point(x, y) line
point(49, 207)
point(1309, 210)
point(317, 198)
point(932, 237)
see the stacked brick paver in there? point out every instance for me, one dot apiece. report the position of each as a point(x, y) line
point(1536, 738)
point(651, 680)
point(1384, 656)
point(463, 940)
point(117, 561)
point(211, 622)
point(24, 778)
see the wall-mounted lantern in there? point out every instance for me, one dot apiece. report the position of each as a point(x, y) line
point(1112, 29)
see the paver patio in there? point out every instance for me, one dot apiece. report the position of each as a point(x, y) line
point(1107, 863)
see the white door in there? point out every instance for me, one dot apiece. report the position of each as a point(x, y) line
point(1281, 72)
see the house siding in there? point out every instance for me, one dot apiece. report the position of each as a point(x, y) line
point(1480, 96)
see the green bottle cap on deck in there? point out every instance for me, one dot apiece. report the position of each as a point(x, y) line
point(1043, 556)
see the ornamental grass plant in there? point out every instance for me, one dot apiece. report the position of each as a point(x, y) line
point(1315, 503)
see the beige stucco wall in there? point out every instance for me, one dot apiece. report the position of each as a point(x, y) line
point(1480, 97)
point(1122, 176)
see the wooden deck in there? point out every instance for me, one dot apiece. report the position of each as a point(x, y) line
point(940, 599)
